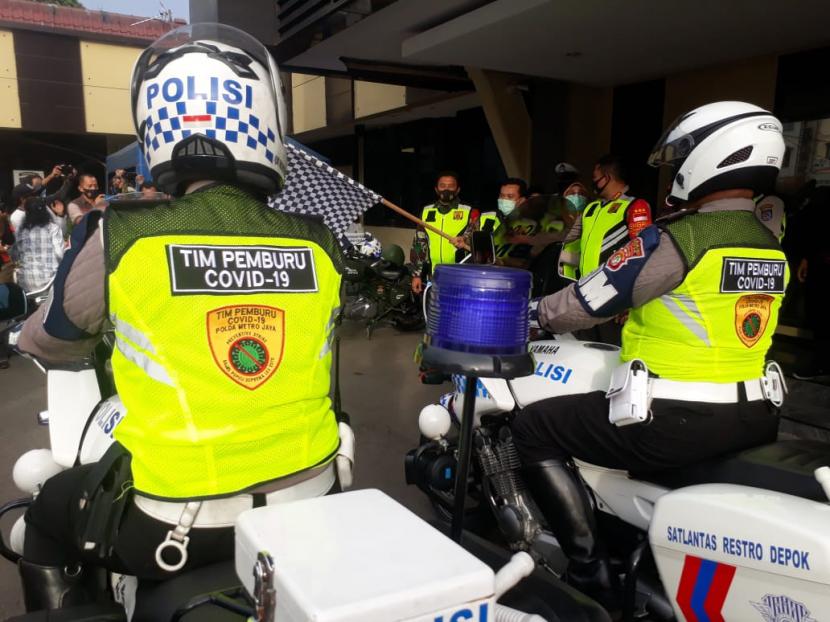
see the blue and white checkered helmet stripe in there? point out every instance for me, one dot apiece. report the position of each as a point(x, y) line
point(230, 124)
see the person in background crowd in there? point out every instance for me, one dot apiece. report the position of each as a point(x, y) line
point(148, 187)
point(602, 228)
point(511, 225)
point(560, 217)
point(119, 184)
point(38, 247)
point(91, 198)
point(6, 241)
point(609, 222)
point(40, 186)
point(813, 260)
point(566, 174)
point(57, 208)
point(20, 193)
point(451, 217)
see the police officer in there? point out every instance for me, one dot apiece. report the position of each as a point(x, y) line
point(222, 310)
point(512, 229)
point(447, 215)
point(605, 224)
point(704, 288)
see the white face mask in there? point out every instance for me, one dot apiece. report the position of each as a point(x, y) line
point(506, 206)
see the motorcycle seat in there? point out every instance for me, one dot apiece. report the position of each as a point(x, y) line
point(159, 601)
point(783, 466)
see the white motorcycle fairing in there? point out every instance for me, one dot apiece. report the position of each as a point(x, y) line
point(742, 553)
point(563, 367)
point(726, 551)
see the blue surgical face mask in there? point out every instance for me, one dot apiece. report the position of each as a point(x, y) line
point(577, 202)
point(506, 206)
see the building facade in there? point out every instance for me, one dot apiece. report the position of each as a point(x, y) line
point(64, 85)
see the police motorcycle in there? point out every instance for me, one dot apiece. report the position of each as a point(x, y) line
point(369, 571)
point(277, 574)
point(742, 537)
point(377, 286)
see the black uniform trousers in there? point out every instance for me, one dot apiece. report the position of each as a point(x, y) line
point(680, 433)
point(53, 523)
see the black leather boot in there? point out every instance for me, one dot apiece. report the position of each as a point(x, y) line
point(563, 500)
point(55, 587)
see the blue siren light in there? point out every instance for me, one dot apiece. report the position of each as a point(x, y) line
point(479, 309)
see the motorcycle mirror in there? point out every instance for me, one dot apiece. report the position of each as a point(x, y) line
point(482, 249)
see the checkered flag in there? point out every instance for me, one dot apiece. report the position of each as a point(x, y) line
point(313, 187)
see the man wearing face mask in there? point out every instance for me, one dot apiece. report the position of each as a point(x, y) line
point(512, 230)
point(606, 224)
point(556, 225)
point(451, 217)
point(91, 198)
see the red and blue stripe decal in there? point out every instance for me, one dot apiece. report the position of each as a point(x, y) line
point(703, 588)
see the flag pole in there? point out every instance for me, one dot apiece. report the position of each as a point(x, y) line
point(414, 219)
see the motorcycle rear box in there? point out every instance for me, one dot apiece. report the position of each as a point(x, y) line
point(361, 557)
point(728, 552)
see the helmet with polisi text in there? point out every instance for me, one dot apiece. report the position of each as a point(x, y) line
point(208, 105)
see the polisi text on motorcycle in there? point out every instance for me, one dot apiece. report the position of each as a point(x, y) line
point(472, 614)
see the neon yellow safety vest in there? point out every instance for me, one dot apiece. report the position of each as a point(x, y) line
point(222, 310)
point(489, 221)
point(604, 229)
point(452, 223)
point(717, 325)
point(517, 226)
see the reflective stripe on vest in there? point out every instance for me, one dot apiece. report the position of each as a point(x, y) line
point(717, 325)
point(569, 260)
point(452, 223)
point(603, 229)
point(221, 354)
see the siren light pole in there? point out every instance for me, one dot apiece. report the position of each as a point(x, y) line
point(465, 455)
point(477, 327)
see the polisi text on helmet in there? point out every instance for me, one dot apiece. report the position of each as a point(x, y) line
point(192, 87)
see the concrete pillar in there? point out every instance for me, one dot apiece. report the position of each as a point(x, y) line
point(507, 117)
point(256, 17)
point(588, 126)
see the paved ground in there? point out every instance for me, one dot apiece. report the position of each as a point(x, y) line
point(380, 391)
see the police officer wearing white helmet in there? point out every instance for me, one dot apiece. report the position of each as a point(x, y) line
point(703, 289)
point(222, 310)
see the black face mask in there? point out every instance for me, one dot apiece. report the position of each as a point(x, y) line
point(446, 196)
point(595, 184)
point(90, 193)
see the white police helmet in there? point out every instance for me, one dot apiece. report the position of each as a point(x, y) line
point(207, 104)
point(721, 146)
point(370, 247)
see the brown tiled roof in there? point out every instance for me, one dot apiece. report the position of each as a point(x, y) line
point(29, 15)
